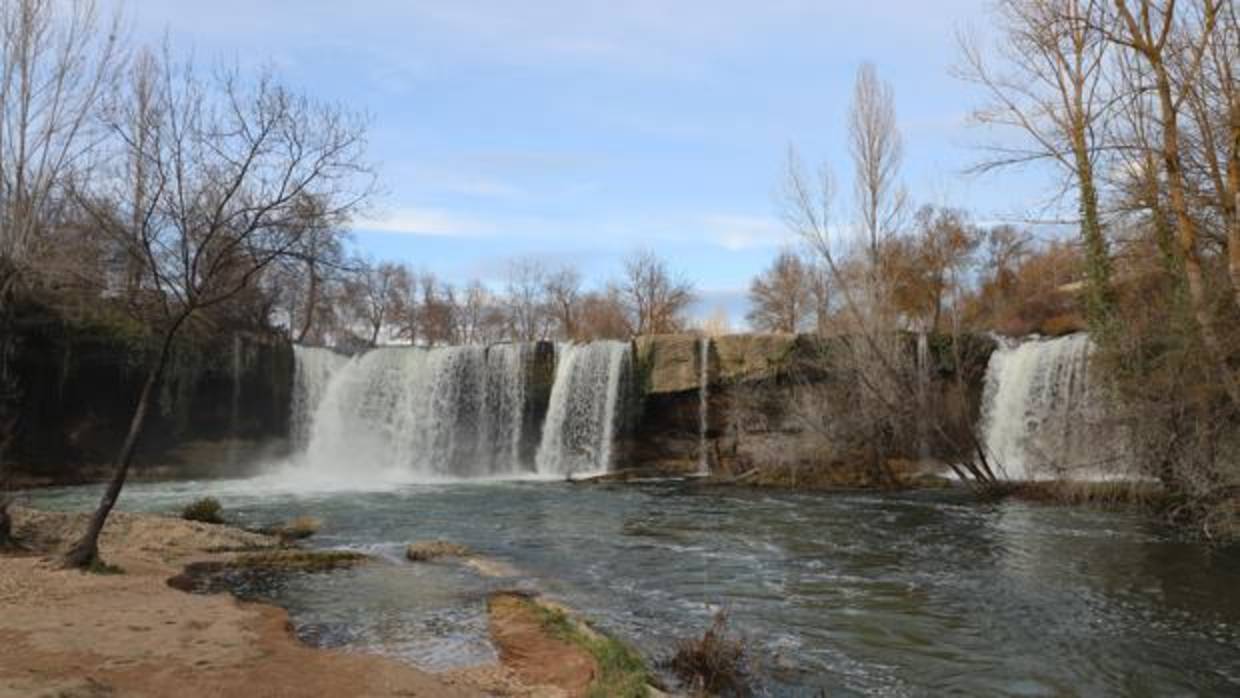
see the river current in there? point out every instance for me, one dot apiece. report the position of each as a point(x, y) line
point(862, 594)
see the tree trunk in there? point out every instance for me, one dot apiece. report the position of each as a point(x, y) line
point(85, 552)
point(1186, 230)
point(1098, 294)
point(1233, 183)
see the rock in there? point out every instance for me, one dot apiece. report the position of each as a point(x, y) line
point(750, 356)
point(668, 363)
point(431, 550)
point(299, 528)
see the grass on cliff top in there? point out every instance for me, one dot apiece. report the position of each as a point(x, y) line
point(622, 672)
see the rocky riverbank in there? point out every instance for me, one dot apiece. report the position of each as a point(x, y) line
point(131, 633)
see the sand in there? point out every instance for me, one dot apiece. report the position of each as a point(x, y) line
point(79, 635)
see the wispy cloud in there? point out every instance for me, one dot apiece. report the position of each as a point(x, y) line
point(426, 221)
point(741, 232)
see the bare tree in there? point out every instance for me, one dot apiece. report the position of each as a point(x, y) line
point(876, 357)
point(563, 293)
point(602, 315)
point(407, 311)
point(943, 248)
point(226, 163)
point(877, 151)
point(656, 299)
point(1213, 154)
point(374, 294)
point(436, 316)
point(1154, 32)
point(320, 255)
point(781, 299)
point(1054, 92)
point(57, 62)
point(717, 323)
point(524, 299)
point(479, 317)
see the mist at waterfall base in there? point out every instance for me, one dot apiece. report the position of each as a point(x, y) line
point(923, 593)
point(403, 414)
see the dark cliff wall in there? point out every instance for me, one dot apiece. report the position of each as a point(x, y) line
point(222, 405)
point(795, 403)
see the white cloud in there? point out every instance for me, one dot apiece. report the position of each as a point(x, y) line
point(426, 221)
point(740, 232)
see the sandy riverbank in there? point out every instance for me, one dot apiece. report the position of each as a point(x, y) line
point(76, 635)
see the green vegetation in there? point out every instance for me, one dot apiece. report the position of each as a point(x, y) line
point(205, 510)
point(622, 672)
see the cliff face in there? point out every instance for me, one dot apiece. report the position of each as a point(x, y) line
point(223, 404)
point(799, 404)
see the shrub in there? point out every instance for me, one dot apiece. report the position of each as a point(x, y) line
point(715, 663)
point(206, 510)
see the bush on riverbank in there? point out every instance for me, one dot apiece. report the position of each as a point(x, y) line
point(204, 510)
point(715, 663)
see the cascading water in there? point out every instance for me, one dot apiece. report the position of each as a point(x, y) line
point(234, 418)
point(1043, 417)
point(703, 403)
point(410, 413)
point(923, 395)
point(313, 370)
point(581, 418)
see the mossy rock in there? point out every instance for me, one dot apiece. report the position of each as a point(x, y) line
point(426, 551)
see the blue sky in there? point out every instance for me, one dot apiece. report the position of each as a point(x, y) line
point(580, 130)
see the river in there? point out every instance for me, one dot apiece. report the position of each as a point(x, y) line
point(861, 594)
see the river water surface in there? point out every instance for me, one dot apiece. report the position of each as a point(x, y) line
point(837, 594)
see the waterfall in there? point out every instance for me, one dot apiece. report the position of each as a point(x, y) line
point(234, 416)
point(1043, 417)
point(703, 403)
point(411, 413)
point(581, 418)
point(454, 412)
point(312, 372)
point(924, 375)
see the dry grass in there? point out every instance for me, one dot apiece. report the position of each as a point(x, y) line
point(1111, 493)
point(715, 663)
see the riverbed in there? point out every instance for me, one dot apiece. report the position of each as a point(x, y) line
point(924, 593)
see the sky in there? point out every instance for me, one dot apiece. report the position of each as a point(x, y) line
point(581, 130)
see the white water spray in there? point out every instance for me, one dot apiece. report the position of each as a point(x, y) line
point(581, 418)
point(409, 413)
point(1043, 417)
point(312, 373)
